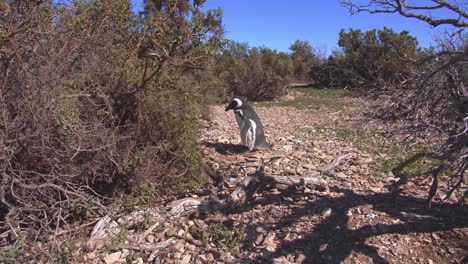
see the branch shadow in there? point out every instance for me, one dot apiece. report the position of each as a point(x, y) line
point(226, 148)
point(340, 240)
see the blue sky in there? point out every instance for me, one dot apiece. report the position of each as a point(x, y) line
point(277, 24)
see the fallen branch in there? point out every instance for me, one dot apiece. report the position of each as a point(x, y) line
point(246, 189)
point(244, 192)
point(294, 180)
point(189, 206)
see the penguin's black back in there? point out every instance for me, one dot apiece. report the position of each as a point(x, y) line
point(244, 124)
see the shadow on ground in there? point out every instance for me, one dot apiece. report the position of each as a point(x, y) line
point(340, 240)
point(333, 240)
point(226, 148)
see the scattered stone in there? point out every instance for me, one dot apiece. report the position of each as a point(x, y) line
point(309, 166)
point(181, 232)
point(300, 258)
point(179, 247)
point(185, 259)
point(112, 258)
point(150, 239)
point(139, 260)
point(191, 248)
point(341, 175)
point(323, 247)
point(365, 161)
point(452, 250)
point(209, 257)
point(371, 215)
point(326, 212)
point(260, 229)
point(177, 255)
point(280, 260)
point(327, 159)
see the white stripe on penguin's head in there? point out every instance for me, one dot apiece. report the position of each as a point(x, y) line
point(238, 102)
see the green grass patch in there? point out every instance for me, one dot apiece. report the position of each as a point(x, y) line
point(390, 153)
point(395, 155)
point(222, 236)
point(8, 254)
point(315, 99)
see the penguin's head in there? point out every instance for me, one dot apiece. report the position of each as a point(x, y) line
point(234, 104)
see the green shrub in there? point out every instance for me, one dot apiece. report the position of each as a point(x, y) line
point(222, 236)
point(8, 254)
point(255, 73)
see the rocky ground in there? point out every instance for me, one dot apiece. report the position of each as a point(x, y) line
point(360, 217)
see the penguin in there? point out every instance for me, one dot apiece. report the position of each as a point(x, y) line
point(250, 126)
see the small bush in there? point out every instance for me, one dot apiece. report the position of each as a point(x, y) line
point(222, 236)
point(8, 254)
point(255, 73)
point(368, 61)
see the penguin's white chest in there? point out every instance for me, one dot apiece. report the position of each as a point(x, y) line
point(250, 134)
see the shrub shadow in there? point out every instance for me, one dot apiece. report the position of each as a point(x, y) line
point(226, 148)
point(332, 240)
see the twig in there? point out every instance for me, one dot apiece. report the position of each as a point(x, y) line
point(190, 240)
point(147, 232)
point(327, 168)
point(149, 247)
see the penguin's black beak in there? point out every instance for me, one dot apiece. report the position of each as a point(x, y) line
point(231, 105)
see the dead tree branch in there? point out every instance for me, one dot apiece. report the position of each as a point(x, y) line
point(418, 12)
point(245, 191)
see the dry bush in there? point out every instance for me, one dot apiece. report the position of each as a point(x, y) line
point(433, 96)
point(437, 103)
point(57, 123)
point(88, 106)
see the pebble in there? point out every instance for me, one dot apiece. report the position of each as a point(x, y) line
point(341, 175)
point(185, 259)
point(150, 239)
point(179, 247)
point(327, 212)
point(300, 258)
point(260, 229)
point(177, 255)
point(371, 215)
point(309, 166)
point(191, 248)
point(113, 257)
point(139, 260)
point(209, 257)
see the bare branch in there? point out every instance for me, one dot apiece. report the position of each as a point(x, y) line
point(402, 8)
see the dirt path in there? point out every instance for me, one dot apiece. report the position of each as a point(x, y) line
point(360, 218)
